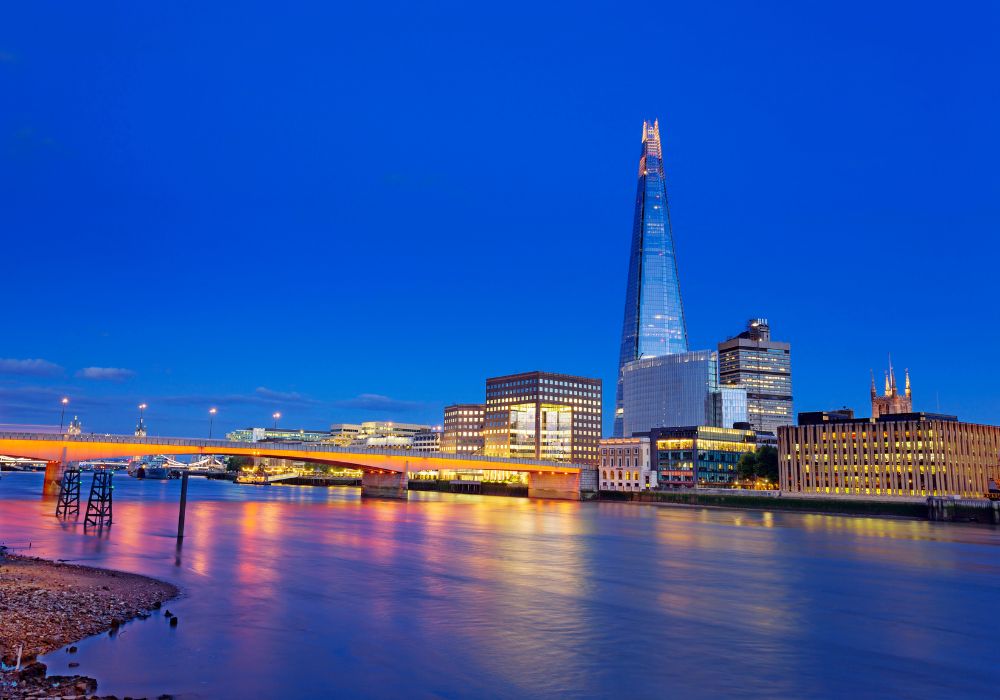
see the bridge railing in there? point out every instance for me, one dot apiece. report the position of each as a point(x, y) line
point(318, 448)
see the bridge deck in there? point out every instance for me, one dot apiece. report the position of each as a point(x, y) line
point(63, 448)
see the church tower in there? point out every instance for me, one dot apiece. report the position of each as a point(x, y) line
point(891, 401)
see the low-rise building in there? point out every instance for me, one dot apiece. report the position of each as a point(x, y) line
point(277, 435)
point(625, 464)
point(692, 456)
point(427, 441)
point(896, 455)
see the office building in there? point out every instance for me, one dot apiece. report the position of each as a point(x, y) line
point(625, 464)
point(427, 440)
point(896, 456)
point(463, 428)
point(763, 367)
point(685, 457)
point(277, 435)
point(892, 401)
point(678, 390)
point(653, 322)
point(543, 415)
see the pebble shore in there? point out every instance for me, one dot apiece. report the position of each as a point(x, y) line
point(47, 605)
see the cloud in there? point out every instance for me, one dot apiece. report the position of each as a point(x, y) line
point(287, 396)
point(378, 402)
point(41, 404)
point(105, 374)
point(30, 368)
point(261, 396)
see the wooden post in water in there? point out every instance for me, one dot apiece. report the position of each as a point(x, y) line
point(184, 498)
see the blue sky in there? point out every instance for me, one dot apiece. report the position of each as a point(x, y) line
point(348, 213)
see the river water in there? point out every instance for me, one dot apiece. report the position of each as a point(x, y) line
point(309, 592)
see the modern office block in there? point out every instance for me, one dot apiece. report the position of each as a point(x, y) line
point(678, 390)
point(763, 367)
point(699, 455)
point(896, 455)
point(543, 415)
point(463, 428)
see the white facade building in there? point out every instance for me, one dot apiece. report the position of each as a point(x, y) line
point(625, 464)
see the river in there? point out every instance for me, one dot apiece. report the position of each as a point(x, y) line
point(309, 592)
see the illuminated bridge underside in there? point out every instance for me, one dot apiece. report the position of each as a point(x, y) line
point(547, 477)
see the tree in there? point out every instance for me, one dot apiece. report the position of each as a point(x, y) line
point(767, 463)
point(762, 464)
point(746, 468)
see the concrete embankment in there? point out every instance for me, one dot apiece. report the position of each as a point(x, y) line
point(898, 509)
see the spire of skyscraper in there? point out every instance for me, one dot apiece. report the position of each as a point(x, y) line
point(654, 314)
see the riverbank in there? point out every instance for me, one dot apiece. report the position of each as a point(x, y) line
point(47, 605)
point(748, 500)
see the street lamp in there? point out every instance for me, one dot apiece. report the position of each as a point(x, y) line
point(276, 416)
point(211, 419)
point(142, 407)
point(62, 414)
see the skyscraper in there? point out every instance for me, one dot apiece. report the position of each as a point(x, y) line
point(764, 368)
point(654, 314)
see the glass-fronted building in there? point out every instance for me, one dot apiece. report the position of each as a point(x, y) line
point(691, 456)
point(543, 415)
point(653, 322)
point(677, 390)
point(763, 367)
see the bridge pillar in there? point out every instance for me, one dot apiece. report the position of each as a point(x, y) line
point(53, 478)
point(565, 487)
point(384, 485)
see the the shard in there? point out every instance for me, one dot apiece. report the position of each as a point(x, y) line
point(654, 314)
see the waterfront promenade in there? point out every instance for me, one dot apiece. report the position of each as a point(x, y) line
point(294, 591)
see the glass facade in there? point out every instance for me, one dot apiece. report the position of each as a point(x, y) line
point(762, 367)
point(654, 313)
point(699, 455)
point(543, 415)
point(678, 390)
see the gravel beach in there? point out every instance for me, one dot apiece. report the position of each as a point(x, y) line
point(47, 605)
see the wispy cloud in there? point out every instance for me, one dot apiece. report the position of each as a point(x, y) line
point(261, 396)
point(105, 374)
point(378, 402)
point(30, 368)
point(287, 396)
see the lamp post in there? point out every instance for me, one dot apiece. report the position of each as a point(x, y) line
point(142, 407)
point(211, 419)
point(276, 415)
point(62, 414)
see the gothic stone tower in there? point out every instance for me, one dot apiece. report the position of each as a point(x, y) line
point(892, 401)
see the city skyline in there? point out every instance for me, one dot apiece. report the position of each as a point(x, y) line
point(174, 248)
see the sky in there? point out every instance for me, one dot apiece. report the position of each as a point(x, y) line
point(346, 212)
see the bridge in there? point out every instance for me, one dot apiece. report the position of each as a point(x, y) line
point(385, 471)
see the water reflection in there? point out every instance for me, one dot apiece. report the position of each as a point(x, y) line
point(294, 591)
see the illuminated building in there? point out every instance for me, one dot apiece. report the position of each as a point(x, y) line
point(388, 434)
point(343, 434)
point(625, 464)
point(653, 323)
point(699, 455)
point(763, 367)
point(896, 455)
point(426, 441)
point(463, 428)
point(277, 435)
point(542, 415)
point(678, 390)
point(75, 427)
point(892, 401)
